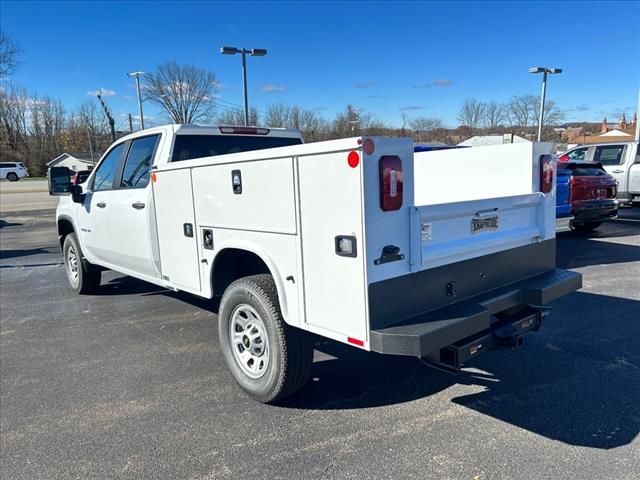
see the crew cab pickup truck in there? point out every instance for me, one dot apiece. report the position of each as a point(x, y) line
point(592, 193)
point(621, 160)
point(355, 240)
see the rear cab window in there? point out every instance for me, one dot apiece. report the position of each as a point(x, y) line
point(583, 170)
point(609, 154)
point(190, 146)
point(578, 153)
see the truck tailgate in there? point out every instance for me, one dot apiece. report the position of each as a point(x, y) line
point(446, 233)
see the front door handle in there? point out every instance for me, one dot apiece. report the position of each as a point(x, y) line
point(138, 205)
point(101, 204)
point(617, 171)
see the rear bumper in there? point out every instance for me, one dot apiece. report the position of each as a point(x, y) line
point(595, 211)
point(482, 317)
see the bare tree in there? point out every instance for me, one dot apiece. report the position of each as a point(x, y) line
point(493, 115)
point(471, 113)
point(235, 116)
point(523, 111)
point(9, 52)
point(185, 92)
point(425, 124)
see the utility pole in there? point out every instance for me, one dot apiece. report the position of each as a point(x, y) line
point(130, 124)
point(137, 77)
point(91, 147)
point(112, 122)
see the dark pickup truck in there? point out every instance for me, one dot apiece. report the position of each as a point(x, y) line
point(592, 194)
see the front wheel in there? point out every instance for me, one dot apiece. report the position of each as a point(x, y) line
point(269, 359)
point(585, 227)
point(83, 277)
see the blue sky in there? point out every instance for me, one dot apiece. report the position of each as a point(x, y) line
point(421, 58)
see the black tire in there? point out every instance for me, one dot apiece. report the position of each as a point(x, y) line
point(585, 227)
point(287, 352)
point(12, 177)
point(83, 277)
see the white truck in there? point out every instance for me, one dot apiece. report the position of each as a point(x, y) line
point(441, 255)
point(621, 160)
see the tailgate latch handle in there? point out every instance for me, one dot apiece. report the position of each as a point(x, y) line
point(390, 253)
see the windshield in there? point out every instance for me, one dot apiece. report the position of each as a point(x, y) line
point(187, 146)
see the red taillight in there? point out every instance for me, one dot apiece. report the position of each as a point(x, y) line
point(546, 173)
point(355, 341)
point(244, 130)
point(390, 183)
point(563, 158)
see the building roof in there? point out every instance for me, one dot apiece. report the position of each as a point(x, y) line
point(480, 140)
point(82, 157)
point(615, 133)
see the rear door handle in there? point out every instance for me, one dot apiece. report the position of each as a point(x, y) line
point(101, 204)
point(138, 205)
point(617, 171)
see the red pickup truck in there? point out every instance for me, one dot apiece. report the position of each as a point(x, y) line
point(592, 194)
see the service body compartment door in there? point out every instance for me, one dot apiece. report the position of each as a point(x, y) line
point(330, 207)
point(177, 233)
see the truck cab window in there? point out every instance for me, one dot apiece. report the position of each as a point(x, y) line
point(609, 155)
point(106, 172)
point(577, 154)
point(138, 163)
point(187, 147)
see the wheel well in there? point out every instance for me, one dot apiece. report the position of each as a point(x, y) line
point(232, 264)
point(65, 227)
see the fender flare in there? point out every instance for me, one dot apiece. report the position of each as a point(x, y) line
point(268, 261)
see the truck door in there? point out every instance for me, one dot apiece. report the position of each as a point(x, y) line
point(93, 213)
point(131, 215)
point(612, 157)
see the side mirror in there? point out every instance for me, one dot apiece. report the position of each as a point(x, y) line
point(59, 181)
point(77, 195)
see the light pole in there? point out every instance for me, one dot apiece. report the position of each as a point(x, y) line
point(137, 77)
point(254, 52)
point(544, 71)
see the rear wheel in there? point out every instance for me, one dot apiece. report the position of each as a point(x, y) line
point(269, 359)
point(585, 227)
point(83, 277)
point(12, 177)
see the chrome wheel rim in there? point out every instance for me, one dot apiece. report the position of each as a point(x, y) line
point(249, 341)
point(72, 265)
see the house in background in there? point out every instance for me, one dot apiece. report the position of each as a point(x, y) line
point(75, 161)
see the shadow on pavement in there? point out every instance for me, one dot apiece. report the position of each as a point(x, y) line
point(578, 382)
point(5, 254)
point(584, 251)
point(4, 223)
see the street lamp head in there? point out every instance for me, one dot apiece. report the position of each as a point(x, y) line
point(555, 70)
point(230, 50)
point(258, 52)
point(134, 74)
point(537, 70)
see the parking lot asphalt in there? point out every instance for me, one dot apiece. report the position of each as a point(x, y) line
point(130, 383)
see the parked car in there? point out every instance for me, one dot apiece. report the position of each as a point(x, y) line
point(80, 177)
point(621, 160)
point(592, 194)
point(13, 171)
point(564, 216)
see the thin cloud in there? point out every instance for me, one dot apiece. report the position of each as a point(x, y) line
point(443, 82)
point(105, 92)
point(411, 107)
point(270, 87)
point(364, 85)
